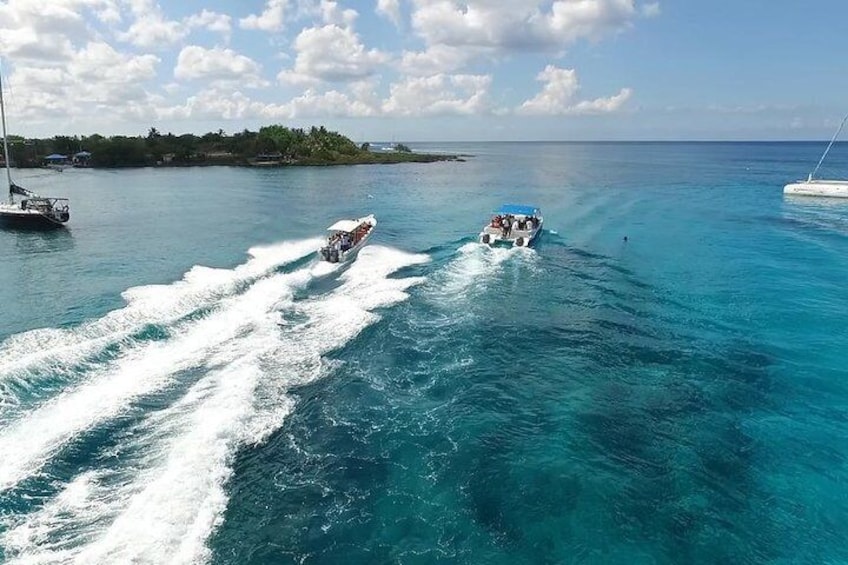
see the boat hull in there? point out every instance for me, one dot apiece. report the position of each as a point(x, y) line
point(827, 188)
point(332, 255)
point(494, 237)
point(28, 219)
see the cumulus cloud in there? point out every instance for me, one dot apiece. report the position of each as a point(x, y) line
point(98, 76)
point(151, 29)
point(389, 9)
point(331, 13)
point(46, 32)
point(211, 21)
point(435, 60)
point(217, 64)
point(271, 18)
point(519, 24)
point(331, 53)
point(558, 94)
point(439, 95)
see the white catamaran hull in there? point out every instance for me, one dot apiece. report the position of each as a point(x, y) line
point(831, 188)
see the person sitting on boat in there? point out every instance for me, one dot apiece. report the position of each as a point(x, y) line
point(496, 221)
point(515, 225)
point(505, 226)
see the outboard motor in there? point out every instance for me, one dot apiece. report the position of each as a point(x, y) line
point(486, 238)
point(334, 256)
point(519, 241)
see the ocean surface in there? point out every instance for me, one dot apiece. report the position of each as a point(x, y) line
point(181, 381)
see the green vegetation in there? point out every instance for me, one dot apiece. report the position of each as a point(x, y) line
point(273, 145)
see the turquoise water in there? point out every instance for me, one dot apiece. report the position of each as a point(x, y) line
point(181, 381)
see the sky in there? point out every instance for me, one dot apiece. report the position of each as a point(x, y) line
point(428, 70)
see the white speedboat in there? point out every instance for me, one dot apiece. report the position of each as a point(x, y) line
point(820, 187)
point(346, 238)
point(513, 224)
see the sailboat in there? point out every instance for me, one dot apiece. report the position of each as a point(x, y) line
point(821, 187)
point(31, 211)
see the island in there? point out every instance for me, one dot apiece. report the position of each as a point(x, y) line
point(271, 146)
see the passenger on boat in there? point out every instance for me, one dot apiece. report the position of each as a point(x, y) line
point(506, 226)
point(515, 225)
point(496, 221)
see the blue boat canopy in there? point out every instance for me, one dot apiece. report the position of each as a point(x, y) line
point(56, 157)
point(518, 210)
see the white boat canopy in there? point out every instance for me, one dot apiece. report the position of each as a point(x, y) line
point(348, 226)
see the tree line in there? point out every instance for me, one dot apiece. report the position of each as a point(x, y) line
point(274, 143)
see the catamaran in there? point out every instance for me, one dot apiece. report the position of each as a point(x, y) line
point(513, 224)
point(820, 187)
point(31, 211)
point(346, 238)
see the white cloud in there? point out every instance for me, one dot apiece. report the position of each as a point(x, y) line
point(519, 24)
point(217, 64)
point(312, 104)
point(211, 21)
point(45, 32)
point(212, 104)
point(96, 78)
point(558, 94)
point(651, 10)
point(439, 95)
point(331, 53)
point(271, 19)
point(389, 9)
point(151, 29)
point(435, 60)
point(331, 13)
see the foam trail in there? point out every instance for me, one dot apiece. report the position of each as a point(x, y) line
point(171, 509)
point(472, 271)
point(30, 354)
point(29, 442)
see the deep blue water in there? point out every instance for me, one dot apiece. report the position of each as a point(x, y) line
point(181, 381)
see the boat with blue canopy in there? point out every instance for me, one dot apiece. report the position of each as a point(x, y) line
point(517, 225)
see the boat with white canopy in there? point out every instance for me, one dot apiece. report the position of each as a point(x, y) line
point(346, 238)
point(513, 224)
point(820, 187)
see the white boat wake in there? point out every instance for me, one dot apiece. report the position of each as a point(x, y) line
point(164, 493)
point(27, 358)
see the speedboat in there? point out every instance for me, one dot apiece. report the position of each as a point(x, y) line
point(513, 224)
point(346, 238)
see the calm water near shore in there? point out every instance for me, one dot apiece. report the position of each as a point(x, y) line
point(181, 380)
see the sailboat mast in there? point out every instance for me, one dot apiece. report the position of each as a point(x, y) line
point(829, 145)
point(5, 139)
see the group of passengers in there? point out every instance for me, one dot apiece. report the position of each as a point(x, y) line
point(509, 223)
point(342, 241)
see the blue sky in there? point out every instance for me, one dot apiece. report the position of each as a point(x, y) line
point(418, 70)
